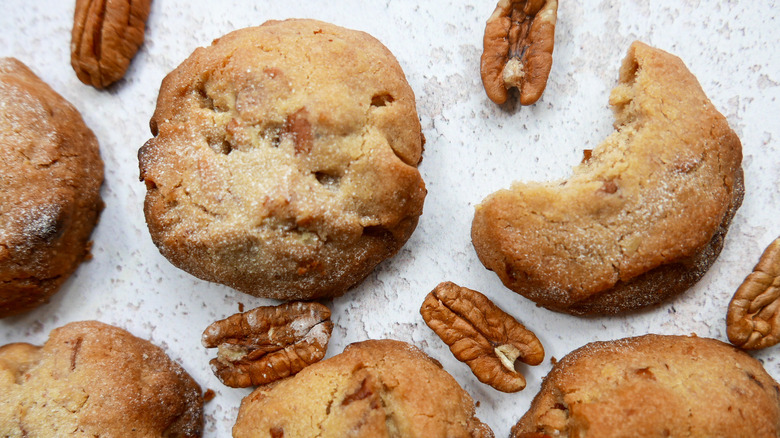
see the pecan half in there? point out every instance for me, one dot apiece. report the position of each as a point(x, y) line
point(753, 319)
point(268, 343)
point(480, 334)
point(517, 49)
point(106, 35)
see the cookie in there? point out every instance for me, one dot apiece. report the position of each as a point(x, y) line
point(49, 190)
point(277, 168)
point(372, 389)
point(93, 379)
point(641, 219)
point(655, 386)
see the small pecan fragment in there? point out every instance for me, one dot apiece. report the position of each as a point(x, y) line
point(480, 334)
point(586, 154)
point(299, 127)
point(106, 35)
point(753, 320)
point(268, 343)
point(517, 49)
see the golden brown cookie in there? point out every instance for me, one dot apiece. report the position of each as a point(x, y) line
point(49, 189)
point(92, 379)
point(280, 169)
point(655, 386)
point(641, 219)
point(373, 389)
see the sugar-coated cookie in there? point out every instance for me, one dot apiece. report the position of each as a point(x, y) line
point(284, 160)
point(641, 219)
point(655, 386)
point(92, 379)
point(50, 180)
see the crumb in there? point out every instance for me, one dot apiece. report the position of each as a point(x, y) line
point(88, 251)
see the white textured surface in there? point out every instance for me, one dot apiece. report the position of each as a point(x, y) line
point(474, 148)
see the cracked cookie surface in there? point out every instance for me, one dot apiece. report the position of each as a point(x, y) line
point(50, 177)
point(92, 379)
point(641, 219)
point(378, 388)
point(279, 169)
point(655, 386)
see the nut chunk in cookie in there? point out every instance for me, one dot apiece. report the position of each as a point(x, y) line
point(50, 177)
point(93, 379)
point(641, 219)
point(373, 389)
point(277, 168)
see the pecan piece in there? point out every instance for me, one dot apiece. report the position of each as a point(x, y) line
point(106, 35)
point(517, 49)
point(753, 319)
point(299, 127)
point(268, 343)
point(480, 334)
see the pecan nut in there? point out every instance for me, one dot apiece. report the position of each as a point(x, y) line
point(480, 334)
point(517, 49)
point(106, 35)
point(753, 319)
point(268, 343)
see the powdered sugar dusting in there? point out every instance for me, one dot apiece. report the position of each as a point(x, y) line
point(319, 334)
point(302, 324)
point(41, 221)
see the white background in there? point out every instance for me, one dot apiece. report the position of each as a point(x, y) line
point(474, 148)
